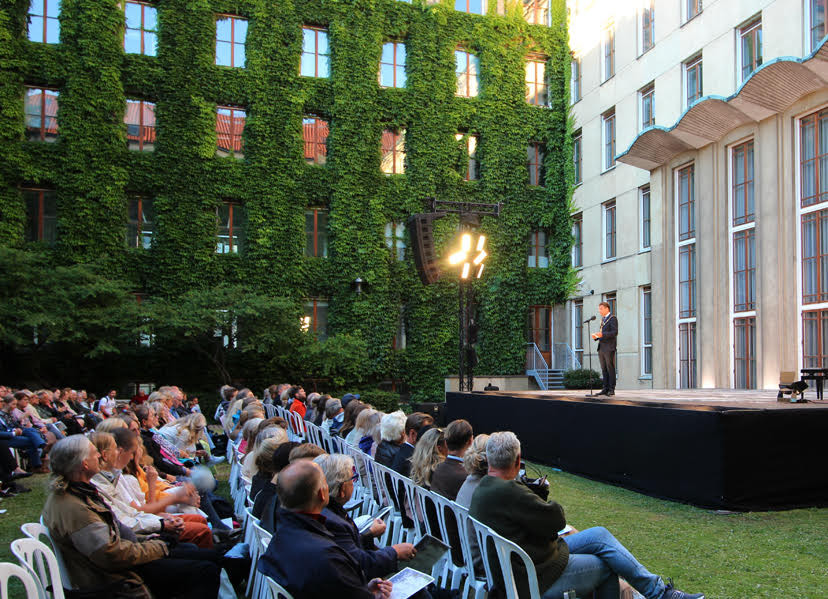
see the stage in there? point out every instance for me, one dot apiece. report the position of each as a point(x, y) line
point(714, 448)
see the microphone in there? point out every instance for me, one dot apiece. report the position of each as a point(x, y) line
point(589, 319)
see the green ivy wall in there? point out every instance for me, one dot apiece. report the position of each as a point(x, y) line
point(92, 170)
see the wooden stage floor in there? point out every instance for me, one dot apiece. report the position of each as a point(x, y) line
point(726, 398)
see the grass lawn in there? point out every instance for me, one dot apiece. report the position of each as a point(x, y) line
point(771, 555)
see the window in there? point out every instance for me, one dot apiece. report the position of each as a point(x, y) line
point(646, 332)
point(608, 209)
point(686, 203)
point(744, 352)
point(647, 23)
point(395, 239)
point(44, 25)
point(692, 8)
point(315, 54)
point(815, 338)
point(316, 233)
point(399, 340)
point(41, 114)
point(467, 66)
point(744, 270)
point(315, 136)
point(229, 217)
point(692, 81)
point(813, 131)
point(646, 99)
point(687, 280)
point(470, 146)
point(535, 157)
point(687, 355)
point(578, 242)
point(608, 52)
point(536, 92)
point(608, 134)
point(815, 257)
point(475, 7)
point(575, 83)
point(743, 200)
point(393, 152)
point(392, 65)
point(644, 193)
point(538, 250)
point(140, 222)
point(229, 130)
point(141, 33)
point(578, 156)
point(610, 298)
point(41, 215)
point(750, 48)
point(578, 329)
point(140, 124)
point(227, 328)
point(816, 26)
point(540, 328)
point(315, 319)
point(231, 33)
point(536, 12)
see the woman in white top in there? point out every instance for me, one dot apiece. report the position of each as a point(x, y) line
point(185, 432)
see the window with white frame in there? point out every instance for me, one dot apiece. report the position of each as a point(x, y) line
point(691, 8)
point(646, 331)
point(644, 196)
point(646, 26)
point(578, 329)
point(538, 249)
point(395, 239)
point(686, 275)
point(608, 138)
point(646, 106)
point(816, 22)
point(578, 156)
point(692, 80)
point(608, 52)
point(575, 81)
point(749, 49)
point(578, 242)
point(609, 229)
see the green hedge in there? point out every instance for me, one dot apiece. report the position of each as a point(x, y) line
point(92, 170)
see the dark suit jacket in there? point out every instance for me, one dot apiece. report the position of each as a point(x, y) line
point(375, 563)
point(402, 463)
point(304, 558)
point(610, 333)
point(448, 477)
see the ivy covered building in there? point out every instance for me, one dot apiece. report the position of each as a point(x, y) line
point(283, 146)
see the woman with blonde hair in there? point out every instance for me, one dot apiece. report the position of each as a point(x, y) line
point(110, 424)
point(185, 433)
point(255, 448)
point(429, 453)
point(475, 463)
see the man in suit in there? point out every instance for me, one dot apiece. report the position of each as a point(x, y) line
point(606, 337)
point(450, 474)
point(415, 426)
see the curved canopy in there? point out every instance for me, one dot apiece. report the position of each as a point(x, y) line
point(770, 89)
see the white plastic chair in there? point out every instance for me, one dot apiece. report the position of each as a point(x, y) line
point(42, 564)
point(262, 539)
point(296, 427)
point(250, 522)
point(467, 537)
point(275, 590)
point(489, 540)
point(41, 529)
point(9, 570)
point(387, 497)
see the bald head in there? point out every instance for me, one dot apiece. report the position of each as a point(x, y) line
point(302, 487)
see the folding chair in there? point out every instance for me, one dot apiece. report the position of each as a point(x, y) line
point(492, 545)
point(9, 570)
point(468, 542)
point(387, 497)
point(261, 539)
point(31, 528)
point(42, 564)
point(276, 591)
point(250, 537)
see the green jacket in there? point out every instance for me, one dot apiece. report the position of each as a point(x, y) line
point(514, 512)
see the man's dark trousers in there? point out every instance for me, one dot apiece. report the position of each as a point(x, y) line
point(607, 359)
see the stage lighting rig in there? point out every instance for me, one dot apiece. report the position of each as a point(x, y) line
point(471, 260)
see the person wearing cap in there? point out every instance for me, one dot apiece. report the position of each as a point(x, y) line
point(348, 397)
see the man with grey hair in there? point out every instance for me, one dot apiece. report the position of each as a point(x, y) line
point(303, 556)
point(334, 416)
point(587, 561)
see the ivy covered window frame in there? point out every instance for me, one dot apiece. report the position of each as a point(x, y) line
point(467, 69)
point(230, 221)
point(316, 233)
point(395, 239)
point(536, 12)
point(140, 221)
point(141, 31)
point(392, 65)
point(231, 36)
point(44, 21)
point(41, 109)
point(536, 154)
point(230, 122)
point(315, 139)
point(470, 144)
point(41, 214)
point(538, 249)
point(537, 93)
point(316, 55)
point(139, 119)
point(472, 7)
point(392, 160)
point(315, 318)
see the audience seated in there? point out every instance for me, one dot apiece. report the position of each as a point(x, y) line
point(366, 427)
point(21, 437)
point(303, 556)
point(264, 465)
point(587, 561)
point(429, 453)
point(185, 433)
point(352, 411)
point(319, 413)
point(415, 425)
point(266, 504)
point(476, 467)
point(166, 462)
point(450, 474)
point(392, 431)
point(103, 557)
point(334, 416)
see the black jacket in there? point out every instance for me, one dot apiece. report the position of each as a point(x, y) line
point(386, 451)
point(375, 563)
point(161, 463)
point(402, 461)
point(609, 330)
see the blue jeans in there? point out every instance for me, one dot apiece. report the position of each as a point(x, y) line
point(31, 442)
point(596, 560)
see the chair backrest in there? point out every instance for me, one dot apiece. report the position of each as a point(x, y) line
point(9, 570)
point(270, 410)
point(41, 562)
point(296, 425)
point(787, 377)
point(451, 527)
point(314, 434)
point(64, 573)
point(275, 590)
point(488, 541)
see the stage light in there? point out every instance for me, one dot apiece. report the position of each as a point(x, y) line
point(480, 257)
point(481, 241)
point(464, 255)
point(466, 242)
point(480, 271)
point(465, 273)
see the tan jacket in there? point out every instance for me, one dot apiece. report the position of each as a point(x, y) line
point(87, 535)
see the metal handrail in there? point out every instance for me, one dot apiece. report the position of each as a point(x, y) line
point(534, 358)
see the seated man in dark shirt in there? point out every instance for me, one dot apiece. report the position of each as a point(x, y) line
point(450, 474)
point(415, 425)
point(303, 556)
point(587, 561)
